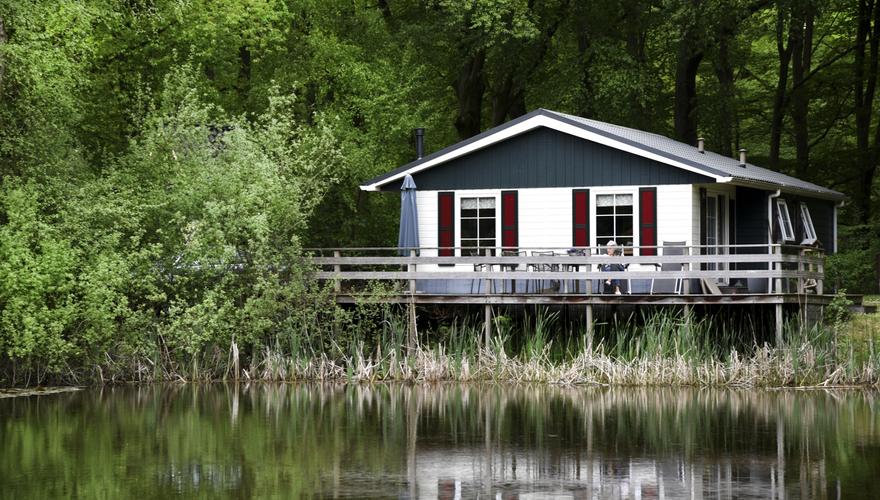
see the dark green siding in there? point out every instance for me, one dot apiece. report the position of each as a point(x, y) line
point(547, 158)
point(751, 212)
point(751, 216)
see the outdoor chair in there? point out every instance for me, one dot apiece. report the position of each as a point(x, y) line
point(572, 252)
point(477, 283)
point(542, 268)
point(675, 286)
point(512, 267)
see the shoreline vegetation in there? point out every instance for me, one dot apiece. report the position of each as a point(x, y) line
point(164, 166)
point(664, 348)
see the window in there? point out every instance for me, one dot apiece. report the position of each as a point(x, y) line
point(614, 219)
point(809, 230)
point(784, 220)
point(477, 226)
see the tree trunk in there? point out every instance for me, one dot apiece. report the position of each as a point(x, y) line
point(688, 62)
point(244, 73)
point(469, 87)
point(503, 97)
point(508, 97)
point(727, 106)
point(585, 60)
point(784, 52)
point(801, 50)
point(865, 84)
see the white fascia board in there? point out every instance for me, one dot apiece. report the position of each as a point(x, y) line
point(552, 123)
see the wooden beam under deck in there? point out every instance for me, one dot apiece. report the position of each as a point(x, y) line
point(592, 299)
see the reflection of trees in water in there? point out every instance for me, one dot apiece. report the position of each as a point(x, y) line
point(429, 440)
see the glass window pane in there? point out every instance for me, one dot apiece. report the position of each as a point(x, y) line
point(623, 199)
point(469, 213)
point(487, 202)
point(624, 225)
point(605, 226)
point(784, 220)
point(625, 209)
point(468, 228)
point(604, 210)
point(604, 200)
point(487, 228)
point(468, 203)
point(487, 212)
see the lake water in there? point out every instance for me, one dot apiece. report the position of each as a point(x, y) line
point(444, 441)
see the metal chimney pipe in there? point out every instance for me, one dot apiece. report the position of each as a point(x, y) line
point(701, 145)
point(420, 143)
point(742, 157)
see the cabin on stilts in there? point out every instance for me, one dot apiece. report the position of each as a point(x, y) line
point(551, 208)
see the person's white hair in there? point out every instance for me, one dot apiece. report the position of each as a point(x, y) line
point(611, 243)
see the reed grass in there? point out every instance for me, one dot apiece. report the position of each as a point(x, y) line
point(661, 348)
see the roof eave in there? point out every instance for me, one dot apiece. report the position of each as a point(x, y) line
point(825, 195)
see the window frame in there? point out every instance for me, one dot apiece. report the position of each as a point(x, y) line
point(783, 218)
point(810, 237)
point(480, 249)
point(595, 194)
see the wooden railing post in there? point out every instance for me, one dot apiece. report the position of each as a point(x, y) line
point(413, 332)
point(337, 282)
point(487, 310)
point(776, 265)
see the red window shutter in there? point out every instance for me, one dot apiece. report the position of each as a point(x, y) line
point(580, 217)
point(509, 220)
point(648, 220)
point(446, 224)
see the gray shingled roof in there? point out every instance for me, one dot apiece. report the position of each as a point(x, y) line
point(729, 166)
point(709, 162)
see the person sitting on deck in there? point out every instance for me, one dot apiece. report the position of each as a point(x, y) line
point(611, 285)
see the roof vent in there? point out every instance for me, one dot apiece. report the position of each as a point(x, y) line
point(420, 143)
point(742, 157)
point(701, 145)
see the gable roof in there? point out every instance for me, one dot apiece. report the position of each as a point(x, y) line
point(656, 147)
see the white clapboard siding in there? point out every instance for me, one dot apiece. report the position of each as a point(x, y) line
point(426, 202)
point(676, 214)
point(545, 218)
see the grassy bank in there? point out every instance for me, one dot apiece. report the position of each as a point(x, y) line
point(664, 348)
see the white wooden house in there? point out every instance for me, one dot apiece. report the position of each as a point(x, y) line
point(552, 180)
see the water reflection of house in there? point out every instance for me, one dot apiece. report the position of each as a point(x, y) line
point(468, 473)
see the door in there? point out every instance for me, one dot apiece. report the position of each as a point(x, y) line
point(715, 223)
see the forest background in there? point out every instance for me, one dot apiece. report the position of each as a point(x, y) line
point(163, 163)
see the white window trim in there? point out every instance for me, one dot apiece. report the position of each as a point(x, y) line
point(634, 191)
point(783, 217)
point(810, 237)
point(477, 193)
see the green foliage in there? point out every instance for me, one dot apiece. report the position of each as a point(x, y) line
point(838, 312)
point(164, 163)
point(852, 268)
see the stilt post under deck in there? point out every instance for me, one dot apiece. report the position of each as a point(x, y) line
point(412, 333)
point(487, 326)
point(778, 325)
point(589, 327)
point(337, 283)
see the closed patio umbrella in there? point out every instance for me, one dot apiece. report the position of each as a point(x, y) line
point(408, 237)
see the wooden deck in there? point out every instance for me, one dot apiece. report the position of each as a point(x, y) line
point(773, 275)
point(587, 299)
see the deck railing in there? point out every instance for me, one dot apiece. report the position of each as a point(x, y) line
point(786, 268)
